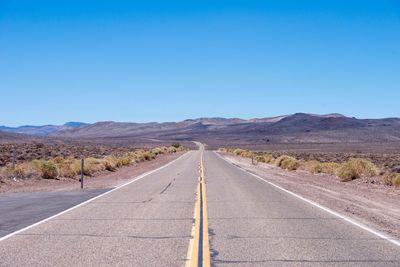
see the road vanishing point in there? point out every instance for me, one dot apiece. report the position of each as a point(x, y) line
point(198, 210)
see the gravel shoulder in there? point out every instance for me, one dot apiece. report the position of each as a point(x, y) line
point(100, 181)
point(374, 205)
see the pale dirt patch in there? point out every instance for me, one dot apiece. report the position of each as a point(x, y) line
point(99, 181)
point(375, 205)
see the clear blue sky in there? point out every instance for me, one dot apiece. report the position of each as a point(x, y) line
point(171, 60)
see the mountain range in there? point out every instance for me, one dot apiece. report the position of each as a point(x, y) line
point(295, 128)
point(43, 130)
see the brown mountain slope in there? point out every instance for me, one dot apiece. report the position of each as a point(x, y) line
point(297, 128)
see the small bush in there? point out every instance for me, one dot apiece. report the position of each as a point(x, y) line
point(269, 158)
point(239, 152)
point(47, 169)
point(264, 158)
point(290, 164)
point(396, 180)
point(388, 178)
point(176, 145)
point(157, 151)
point(330, 167)
point(67, 167)
point(287, 163)
point(260, 159)
point(356, 168)
point(92, 166)
point(314, 167)
point(110, 163)
point(280, 159)
point(148, 155)
point(124, 160)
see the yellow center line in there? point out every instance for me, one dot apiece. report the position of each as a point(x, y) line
point(206, 244)
point(199, 248)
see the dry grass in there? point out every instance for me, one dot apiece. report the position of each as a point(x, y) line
point(314, 167)
point(396, 180)
point(70, 167)
point(391, 179)
point(349, 170)
point(356, 168)
point(287, 163)
point(48, 169)
point(265, 158)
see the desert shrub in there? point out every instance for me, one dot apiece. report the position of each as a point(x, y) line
point(20, 171)
point(148, 155)
point(287, 163)
point(329, 167)
point(157, 151)
point(124, 160)
point(67, 167)
point(388, 177)
point(172, 149)
point(239, 152)
point(47, 169)
point(110, 163)
point(92, 166)
point(396, 180)
point(138, 155)
point(58, 160)
point(176, 145)
point(391, 179)
point(268, 158)
point(76, 167)
point(280, 159)
point(260, 159)
point(247, 154)
point(356, 168)
point(314, 167)
point(264, 158)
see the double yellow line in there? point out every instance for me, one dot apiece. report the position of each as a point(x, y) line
point(199, 253)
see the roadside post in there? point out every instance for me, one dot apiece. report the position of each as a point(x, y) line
point(82, 165)
point(13, 159)
point(252, 158)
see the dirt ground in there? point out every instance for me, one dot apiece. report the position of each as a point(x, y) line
point(100, 181)
point(374, 205)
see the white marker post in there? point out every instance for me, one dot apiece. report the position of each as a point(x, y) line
point(14, 159)
point(82, 165)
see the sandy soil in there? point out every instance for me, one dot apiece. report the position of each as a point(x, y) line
point(374, 205)
point(102, 180)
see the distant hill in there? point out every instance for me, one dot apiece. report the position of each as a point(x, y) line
point(6, 137)
point(296, 128)
point(44, 130)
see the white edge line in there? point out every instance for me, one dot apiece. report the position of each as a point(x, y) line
point(345, 218)
point(90, 200)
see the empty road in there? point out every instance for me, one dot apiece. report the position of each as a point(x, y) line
point(167, 217)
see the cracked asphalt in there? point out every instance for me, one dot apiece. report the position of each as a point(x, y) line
point(146, 223)
point(149, 223)
point(20, 210)
point(252, 223)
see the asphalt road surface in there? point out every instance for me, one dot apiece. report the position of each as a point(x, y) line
point(150, 222)
point(252, 223)
point(18, 210)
